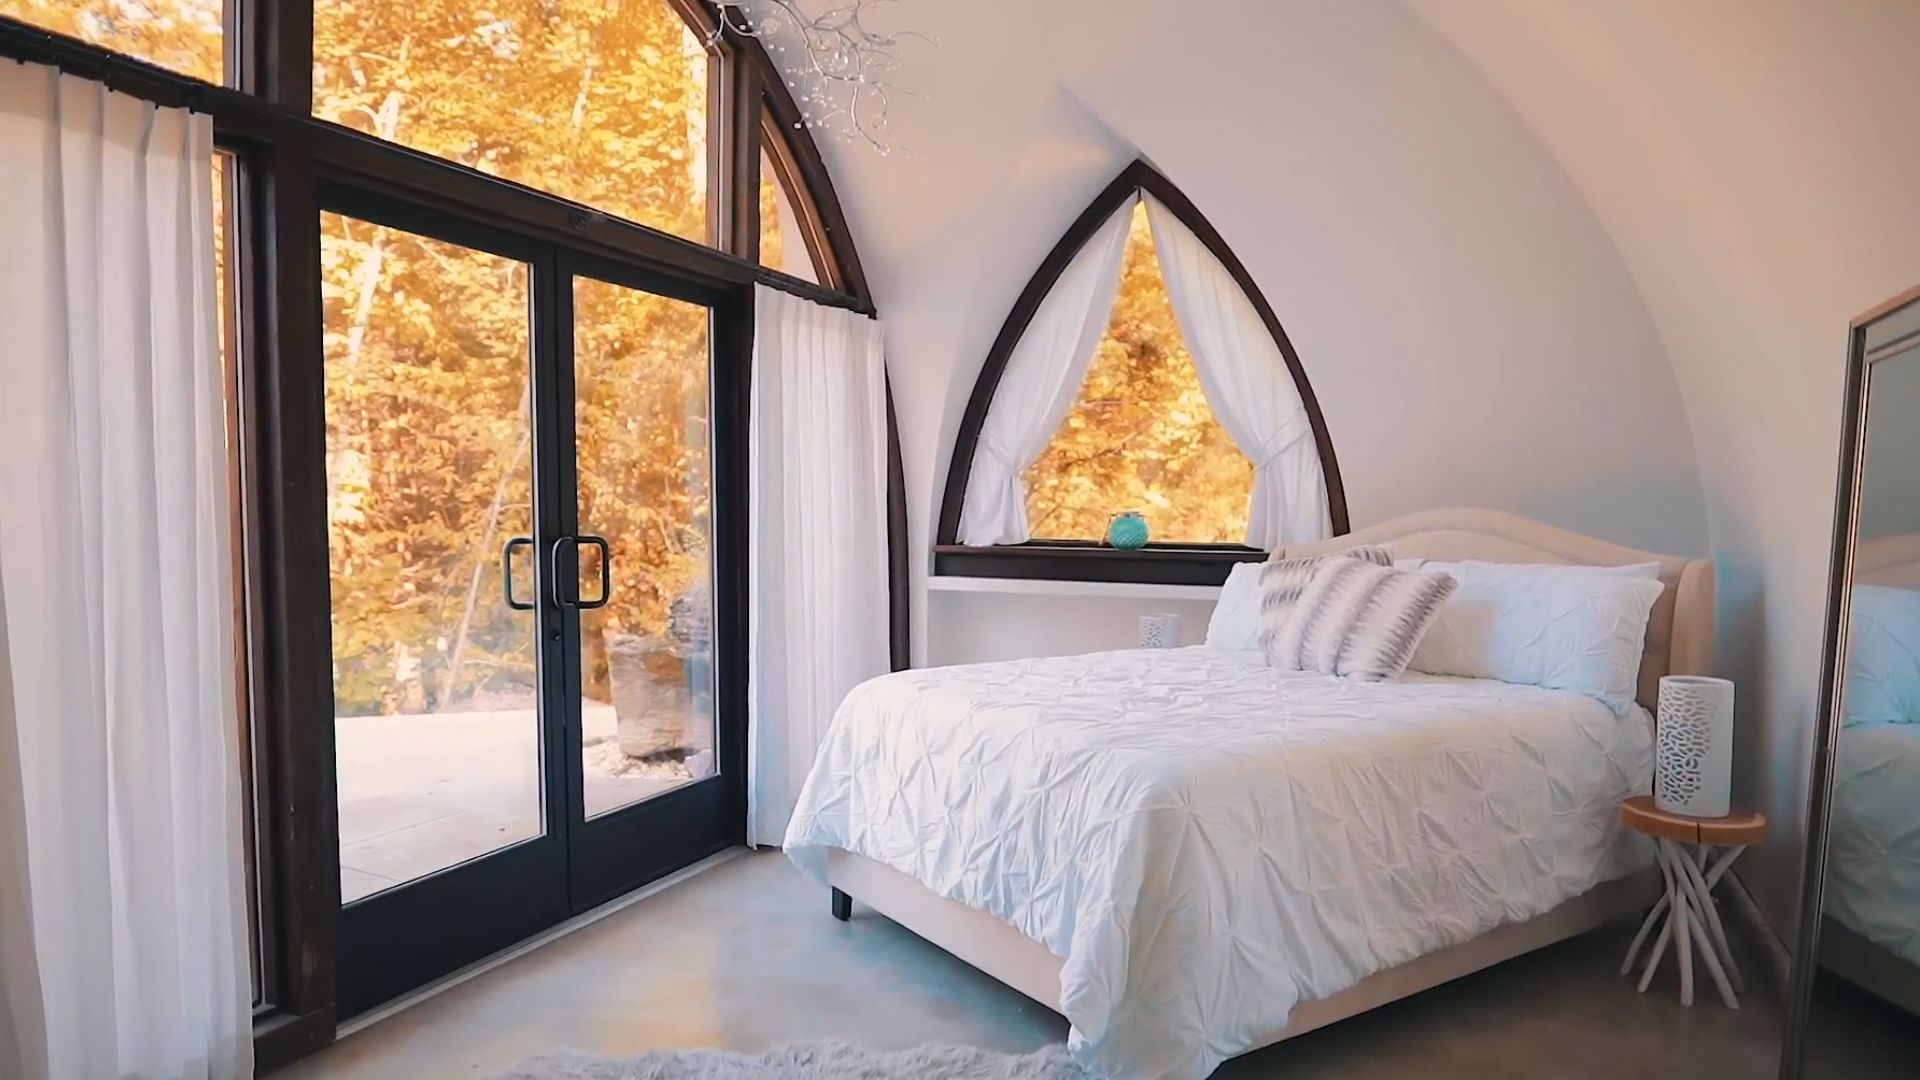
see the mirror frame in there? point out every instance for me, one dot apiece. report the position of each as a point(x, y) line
point(1846, 516)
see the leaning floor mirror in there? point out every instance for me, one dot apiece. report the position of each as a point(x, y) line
point(1855, 1003)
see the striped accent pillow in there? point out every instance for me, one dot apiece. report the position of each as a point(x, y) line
point(1358, 620)
point(1282, 579)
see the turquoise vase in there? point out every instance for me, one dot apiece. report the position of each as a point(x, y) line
point(1127, 530)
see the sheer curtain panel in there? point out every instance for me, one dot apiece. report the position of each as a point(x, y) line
point(818, 565)
point(115, 589)
point(1247, 382)
point(23, 1049)
point(1042, 378)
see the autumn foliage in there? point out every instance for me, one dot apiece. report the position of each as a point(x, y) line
point(1141, 436)
point(602, 103)
point(181, 35)
point(428, 354)
point(427, 350)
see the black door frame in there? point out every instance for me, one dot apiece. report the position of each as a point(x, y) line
point(408, 936)
point(630, 846)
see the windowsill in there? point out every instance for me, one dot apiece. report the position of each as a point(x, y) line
point(1124, 590)
point(1084, 561)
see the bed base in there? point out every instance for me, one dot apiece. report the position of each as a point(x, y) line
point(1847, 953)
point(999, 950)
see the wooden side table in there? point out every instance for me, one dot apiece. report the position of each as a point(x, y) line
point(1695, 853)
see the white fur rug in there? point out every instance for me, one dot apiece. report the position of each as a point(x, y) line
point(831, 1060)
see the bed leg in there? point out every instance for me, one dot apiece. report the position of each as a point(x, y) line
point(842, 906)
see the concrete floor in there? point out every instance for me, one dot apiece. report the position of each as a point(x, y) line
point(1849, 1026)
point(745, 956)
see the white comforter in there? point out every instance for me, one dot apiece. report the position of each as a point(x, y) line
point(1206, 841)
point(1873, 858)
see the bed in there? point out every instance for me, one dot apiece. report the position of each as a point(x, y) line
point(1870, 934)
point(1190, 855)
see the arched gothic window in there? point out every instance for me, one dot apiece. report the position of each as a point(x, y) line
point(1141, 371)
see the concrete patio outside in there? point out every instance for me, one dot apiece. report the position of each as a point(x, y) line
point(421, 792)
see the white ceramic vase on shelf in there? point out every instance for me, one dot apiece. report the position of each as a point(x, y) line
point(1693, 767)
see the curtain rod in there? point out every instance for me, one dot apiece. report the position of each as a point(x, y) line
point(807, 290)
point(28, 44)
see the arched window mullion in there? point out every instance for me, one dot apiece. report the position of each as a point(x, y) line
point(780, 167)
point(760, 108)
point(1185, 563)
point(825, 219)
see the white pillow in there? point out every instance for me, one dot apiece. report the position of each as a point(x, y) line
point(1578, 628)
point(1883, 656)
point(1235, 623)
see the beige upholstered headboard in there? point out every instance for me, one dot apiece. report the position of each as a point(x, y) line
point(1679, 633)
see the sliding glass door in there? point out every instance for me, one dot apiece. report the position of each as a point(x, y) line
point(521, 482)
point(650, 755)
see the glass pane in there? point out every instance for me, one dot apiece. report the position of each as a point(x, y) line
point(1141, 436)
point(783, 246)
point(429, 464)
point(181, 35)
point(640, 371)
point(600, 101)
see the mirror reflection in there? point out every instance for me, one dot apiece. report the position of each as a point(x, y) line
point(1866, 995)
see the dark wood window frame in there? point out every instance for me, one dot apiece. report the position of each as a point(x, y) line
point(1075, 560)
point(282, 157)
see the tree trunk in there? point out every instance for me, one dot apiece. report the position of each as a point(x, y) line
point(386, 125)
point(354, 437)
point(483, 550)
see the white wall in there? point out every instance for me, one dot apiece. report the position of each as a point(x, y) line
point(975, 626)
point(1470, 330)
point(1754, 160)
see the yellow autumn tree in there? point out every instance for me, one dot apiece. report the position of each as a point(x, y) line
point(427, 366)
point(180, 35)
point(1141, 436)
point(427, 343)
point(427, 350)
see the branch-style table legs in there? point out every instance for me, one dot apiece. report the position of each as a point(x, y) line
point(1691, 920)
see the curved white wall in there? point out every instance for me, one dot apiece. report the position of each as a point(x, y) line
point(1471, 332)
point(1755, 162)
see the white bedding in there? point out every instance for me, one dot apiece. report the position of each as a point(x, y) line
point(1873, 857)
point(1207, 841)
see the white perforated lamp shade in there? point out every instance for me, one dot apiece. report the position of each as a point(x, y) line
point(1693, 770)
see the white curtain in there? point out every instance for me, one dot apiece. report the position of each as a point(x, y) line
point(1041, 381)
point(115, 590)
point(818, 539)
point(23, 1050)
point(1247, 382)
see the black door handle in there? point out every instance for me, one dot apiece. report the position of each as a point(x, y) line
point(560, 574)
point(506, 571)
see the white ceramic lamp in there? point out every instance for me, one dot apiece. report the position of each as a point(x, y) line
point(1693, 770)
